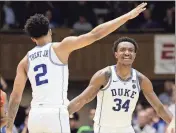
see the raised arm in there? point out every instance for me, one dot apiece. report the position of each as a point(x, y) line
point(16, 95)
point(98, 80)
point(72, 43)
point(152, 98)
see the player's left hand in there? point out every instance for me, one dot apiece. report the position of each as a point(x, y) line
point(171, 127)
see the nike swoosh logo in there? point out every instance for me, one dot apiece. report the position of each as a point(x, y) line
point(115, 80)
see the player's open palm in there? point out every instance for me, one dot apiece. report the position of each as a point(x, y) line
point(136, 11)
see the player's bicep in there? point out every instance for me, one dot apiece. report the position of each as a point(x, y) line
point(20, 80)
point(76, 42)
point(94, 86)
point(149, 93)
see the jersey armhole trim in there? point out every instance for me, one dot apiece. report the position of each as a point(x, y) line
point(57, 64)
point(28, 63)
point(137, 79)
point(109, 82)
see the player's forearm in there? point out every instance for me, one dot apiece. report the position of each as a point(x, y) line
point(12, 111)
point(106, 28)
point(75, 105)
point(165, 114)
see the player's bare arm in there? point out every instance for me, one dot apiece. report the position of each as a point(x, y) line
point(72, 43)
point(152, 98)
point(98, 80)
point(16, 95)
point(3, 117)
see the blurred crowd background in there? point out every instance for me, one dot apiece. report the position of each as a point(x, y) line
point(80, 17)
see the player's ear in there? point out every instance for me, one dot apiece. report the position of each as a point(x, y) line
point(134, 55)
point(50, 32)
point(115, 54)
point(33, 39)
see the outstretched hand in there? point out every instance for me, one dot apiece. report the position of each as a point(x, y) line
point(136, 11)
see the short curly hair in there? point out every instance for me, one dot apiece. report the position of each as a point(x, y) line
point(37, 26)
point(125, 39)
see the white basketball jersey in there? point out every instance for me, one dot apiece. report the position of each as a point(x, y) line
point(48, 77)
point(117, 100)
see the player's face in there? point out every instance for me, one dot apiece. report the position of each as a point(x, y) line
point(125, 53)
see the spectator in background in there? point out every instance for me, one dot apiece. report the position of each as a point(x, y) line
point(88, 128)
point(3, 108)
point(148, 23)
point(138, 108)
point(74, 119)
point(82, 25)
point(3, 84)
point(165, 97)
point(151, 114)
point(3, 113)
point(52, 24)
point(172, 106)
point(23, 127)
point(143, 126)
point(157, 122)
point(84, 9)
point(9, 16)
point(169, 20)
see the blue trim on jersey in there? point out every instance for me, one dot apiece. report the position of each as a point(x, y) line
point(107, 86)
point(109, 82)
point(52, 60)
point(101, 108)
point(128, 79)
point(40, 46)
point(138, 84)
point(28, 62)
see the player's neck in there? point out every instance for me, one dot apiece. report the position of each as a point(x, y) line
point(123, 71)
point(43, 41)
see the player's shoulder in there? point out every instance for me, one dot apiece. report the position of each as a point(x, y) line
point(106, 71)
point(23, 64)
point(142, 77)
point(24, 60)
point(139, 74)
point(56, 44)
point(101, 77)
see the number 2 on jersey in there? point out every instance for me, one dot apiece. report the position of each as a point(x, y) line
point(119, 105)
point(39, 75)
